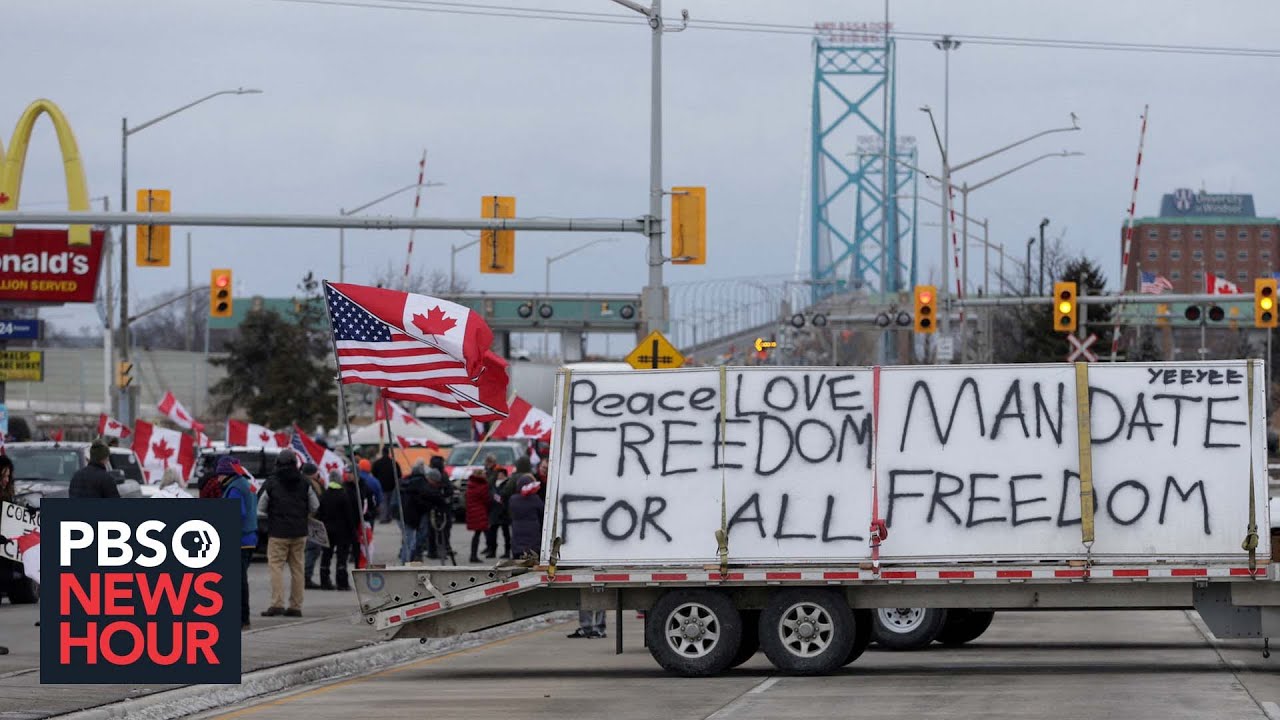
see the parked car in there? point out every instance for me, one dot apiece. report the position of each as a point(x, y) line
point(44, 469)
point(466, 458)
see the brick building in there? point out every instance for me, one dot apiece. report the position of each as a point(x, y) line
point(1198, 233)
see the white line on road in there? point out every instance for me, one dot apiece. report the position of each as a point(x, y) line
point(1272, 710)
point(737, 703)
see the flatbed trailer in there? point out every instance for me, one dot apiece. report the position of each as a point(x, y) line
point(1173, 524)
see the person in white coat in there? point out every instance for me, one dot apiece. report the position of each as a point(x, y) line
point(171, 486)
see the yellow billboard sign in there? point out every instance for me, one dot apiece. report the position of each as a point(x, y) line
point(21, 365)
point(12, 164)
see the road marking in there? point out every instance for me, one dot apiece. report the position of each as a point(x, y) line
point(1272, 710)
point(389, 671)
point(737, 703)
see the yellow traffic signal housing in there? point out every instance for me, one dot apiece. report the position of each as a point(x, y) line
point(688, 226)
point(497, 247)
point(220, 293)
point(926, 317)
point(1264, 303)
point(153, 241)
point(1066, 309)
point(124, 374)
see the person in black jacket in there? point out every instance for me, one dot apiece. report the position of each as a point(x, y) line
point(93, 480)
point(286, 500)
point(439, 497)
point(413, 499)
point(387, 472)
point(340, 517)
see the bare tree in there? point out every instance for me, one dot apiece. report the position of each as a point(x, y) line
point(170, 327)
point(420, 280)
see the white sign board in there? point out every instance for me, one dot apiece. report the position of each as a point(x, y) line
point(967, 463)
point(641, 473)
point(946, 348)
point(16, 521)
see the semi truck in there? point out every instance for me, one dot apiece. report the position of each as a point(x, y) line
point(749, 509)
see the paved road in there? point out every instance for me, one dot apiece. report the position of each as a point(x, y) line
point(326, 627)
point(1061, 665)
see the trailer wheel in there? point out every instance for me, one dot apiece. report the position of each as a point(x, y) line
point(694, 633)
point(807, 631)
point(963, 626)
point(907, 628)
point(862, 622)
point(750, 644)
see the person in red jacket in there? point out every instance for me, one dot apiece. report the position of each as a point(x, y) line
point(477, 504)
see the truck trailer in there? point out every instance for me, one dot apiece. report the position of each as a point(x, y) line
point(778, 509)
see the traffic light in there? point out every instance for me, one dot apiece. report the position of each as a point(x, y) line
point(1193, 313)
point(220, 293)
point(497, 247)
point(1264, 303)
point(688, 226)
point(124, 374)
point(1066, 310)
point(926, 309)
point(153, 240)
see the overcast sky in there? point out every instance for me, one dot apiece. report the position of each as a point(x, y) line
point(556, 113)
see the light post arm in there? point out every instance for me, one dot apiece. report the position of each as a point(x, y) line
point(960, 166)
point(1012, 170)
point(139, 128)
point(390, 195)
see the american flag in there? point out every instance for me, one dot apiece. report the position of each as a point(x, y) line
point(1153, 284)
point(373, 352)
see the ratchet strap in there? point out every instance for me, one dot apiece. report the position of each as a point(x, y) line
point(1086, 461)
point(722, 533)
point(1250, 544)
point(553, 558)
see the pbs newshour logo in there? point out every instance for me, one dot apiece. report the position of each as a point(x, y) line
point(140, 592)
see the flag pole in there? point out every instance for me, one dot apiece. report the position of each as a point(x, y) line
point(346, 422)
point(395, 471)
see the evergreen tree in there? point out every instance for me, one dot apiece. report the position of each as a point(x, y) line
point(278, 368)
point(1025, 334)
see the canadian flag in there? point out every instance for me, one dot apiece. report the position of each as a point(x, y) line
point(411, 442)
point(524, 421)
point(325, 459)
point(160, 448)
point(111, 427)
point(253, 435)
point(1215, 285)
point(29, 551)
point(386, 408)
point(173, 409)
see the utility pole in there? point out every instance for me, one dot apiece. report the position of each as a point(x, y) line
point(654, 298)
point(1043, 224)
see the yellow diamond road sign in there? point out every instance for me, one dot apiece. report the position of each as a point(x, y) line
point(655, 352)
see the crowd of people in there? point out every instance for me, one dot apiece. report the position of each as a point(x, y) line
point(311, 519)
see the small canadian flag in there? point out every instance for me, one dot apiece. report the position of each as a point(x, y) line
point(111, 427)
point(159, 448)
point(173, 410)
point(249, 434)
point(524, 421)
point(1215, 285)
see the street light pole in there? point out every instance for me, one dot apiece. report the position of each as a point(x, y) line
point(1043, 223)
point(342, 237)
point(655, 295)
point(1027, 268)
point(546, 287)
point(127, 395)
point(453, 256)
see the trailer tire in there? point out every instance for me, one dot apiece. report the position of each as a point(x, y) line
point(907, 628)
point(750, 644)
point(694, 633)
point(807, 631)
point(964, 625)
point(862, 621)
